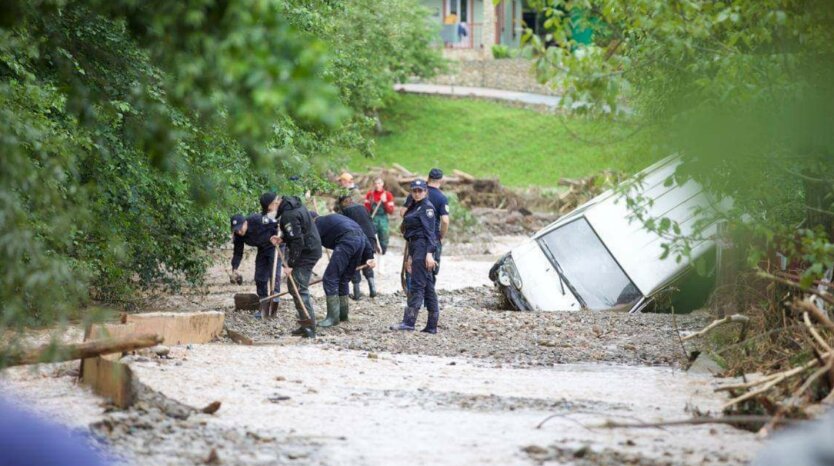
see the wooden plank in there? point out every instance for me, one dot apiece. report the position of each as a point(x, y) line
point(402, 169)
point(110, 379)
point(180, 328)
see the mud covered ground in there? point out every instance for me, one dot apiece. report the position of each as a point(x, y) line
point(471, 326)
point(360, 394)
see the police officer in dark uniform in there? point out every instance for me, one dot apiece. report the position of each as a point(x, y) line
point(441, 218)
point(303, 251)
point(348, 207)
point(419, 229)
point(256, 230)
point(351, 248)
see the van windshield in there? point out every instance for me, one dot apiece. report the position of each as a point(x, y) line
point(588, 267)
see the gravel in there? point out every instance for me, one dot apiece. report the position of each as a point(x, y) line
point(473, 324)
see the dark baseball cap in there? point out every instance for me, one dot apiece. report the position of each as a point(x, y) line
point(266, 199)
point(237, 222)
point(418, 184)
point(436, 174)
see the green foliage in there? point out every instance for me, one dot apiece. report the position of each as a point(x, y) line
point(465, 227)
point(500, 51)
point(743, 90)
point(132, 130)
point(521, 147)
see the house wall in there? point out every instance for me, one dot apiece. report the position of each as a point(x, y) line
point(483, 17)
point(510, 33)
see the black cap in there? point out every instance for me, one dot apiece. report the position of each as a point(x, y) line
point(436, 174)
point(419, 184)
point(237, 222)
point(266, 199)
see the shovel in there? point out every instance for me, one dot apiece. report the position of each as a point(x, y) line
point(306, 321)
point(403, 274)
point(315, 282)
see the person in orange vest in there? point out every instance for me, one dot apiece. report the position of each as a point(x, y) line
point(380, 204)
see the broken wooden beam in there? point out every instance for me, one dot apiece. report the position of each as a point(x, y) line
point(88, 349)
point(109, 379)
point(463, 175)
point(180, 328)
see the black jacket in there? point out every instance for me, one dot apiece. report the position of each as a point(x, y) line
point(358, 214)
point(260, 229)
point(300, 235)
point(334, 226)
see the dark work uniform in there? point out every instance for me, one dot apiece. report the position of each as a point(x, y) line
point(358, 214)
point(303, 248)
point(260, 229)
point(350, 250)
point(441, 205)
point(419, 229)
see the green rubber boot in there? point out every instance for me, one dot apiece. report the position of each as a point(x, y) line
point(332, 312)
point(344, 308)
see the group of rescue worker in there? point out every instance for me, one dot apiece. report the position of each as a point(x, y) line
point(289, 241)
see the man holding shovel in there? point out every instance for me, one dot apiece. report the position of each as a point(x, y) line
point(350, 249)
point(256, 230)
point(303, 251)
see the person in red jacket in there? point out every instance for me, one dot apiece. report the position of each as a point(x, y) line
point(380, 204)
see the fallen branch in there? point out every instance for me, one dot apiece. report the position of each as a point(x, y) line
point(772, 381)
point(824, 296)
point(816, 312)
point(717, 323)
point(815, 334)
point(690, 422)
point(89, 349)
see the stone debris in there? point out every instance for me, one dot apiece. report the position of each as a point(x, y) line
point(473, 322)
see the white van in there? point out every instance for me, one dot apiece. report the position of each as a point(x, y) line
point(598, 257)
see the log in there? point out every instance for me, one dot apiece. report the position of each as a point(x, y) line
point(89, 349)
point(402, 169)
point(463, 175)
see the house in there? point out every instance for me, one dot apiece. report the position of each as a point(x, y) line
point(477, 24)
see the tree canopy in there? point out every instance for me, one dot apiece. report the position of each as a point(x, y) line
point(133, 129)
point(743, 90)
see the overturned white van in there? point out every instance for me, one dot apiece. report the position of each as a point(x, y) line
point(599, 257)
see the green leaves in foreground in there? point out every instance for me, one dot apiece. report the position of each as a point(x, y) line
point(743, 90)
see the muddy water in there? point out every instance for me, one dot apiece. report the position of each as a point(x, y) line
point(383, 409)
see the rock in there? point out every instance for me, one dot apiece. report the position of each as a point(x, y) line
point(160, 350)
point(534, 450)
point(211, 408)
point(373, 356)
point(705, 365)
point(213, 457)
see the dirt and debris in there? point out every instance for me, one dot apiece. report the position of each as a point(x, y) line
point(472, 325)
point(479, 387)
point(490, 193)
point(159, 430)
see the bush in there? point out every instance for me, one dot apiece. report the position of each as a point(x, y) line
point(500, 51)
point(132, 130)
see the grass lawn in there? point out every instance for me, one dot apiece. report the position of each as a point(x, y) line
point(489, 139)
